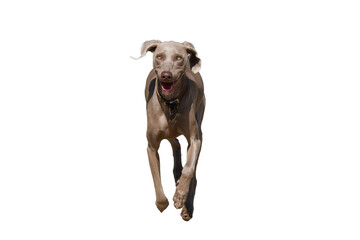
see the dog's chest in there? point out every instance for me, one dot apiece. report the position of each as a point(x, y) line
point(160, 122)
point(167, 129)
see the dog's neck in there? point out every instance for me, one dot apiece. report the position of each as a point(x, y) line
point(171, 105)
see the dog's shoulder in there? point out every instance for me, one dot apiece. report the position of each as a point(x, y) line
point(196, 78)
point(197, 82)
point(150, 85)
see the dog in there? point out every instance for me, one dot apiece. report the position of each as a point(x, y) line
point(175, 104)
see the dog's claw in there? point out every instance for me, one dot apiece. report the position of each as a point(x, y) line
point(185, 215)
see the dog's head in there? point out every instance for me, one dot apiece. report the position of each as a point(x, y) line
point(171, 59)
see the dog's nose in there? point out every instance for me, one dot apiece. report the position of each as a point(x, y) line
point(166, 75)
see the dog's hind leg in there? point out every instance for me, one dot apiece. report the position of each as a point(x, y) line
point(188, 209)
point(177, 158)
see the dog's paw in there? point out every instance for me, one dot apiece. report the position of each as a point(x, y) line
point(179, 198)
point(185, 215)
point(162, 205)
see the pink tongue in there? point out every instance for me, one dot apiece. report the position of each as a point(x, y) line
point(167, 86)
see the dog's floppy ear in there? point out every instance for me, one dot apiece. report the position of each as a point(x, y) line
point(194, 60)
point(148, 46)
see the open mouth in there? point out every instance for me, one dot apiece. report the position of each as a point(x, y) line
point(167, 87)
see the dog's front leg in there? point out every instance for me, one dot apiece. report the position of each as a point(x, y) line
point(161, 200)
point(188, 171)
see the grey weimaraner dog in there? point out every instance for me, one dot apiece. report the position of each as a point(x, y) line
point(175, 99)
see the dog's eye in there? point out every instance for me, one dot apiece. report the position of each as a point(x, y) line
point(178, 58)
point(158, 57)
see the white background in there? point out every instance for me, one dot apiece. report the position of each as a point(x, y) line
point(280, 156)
